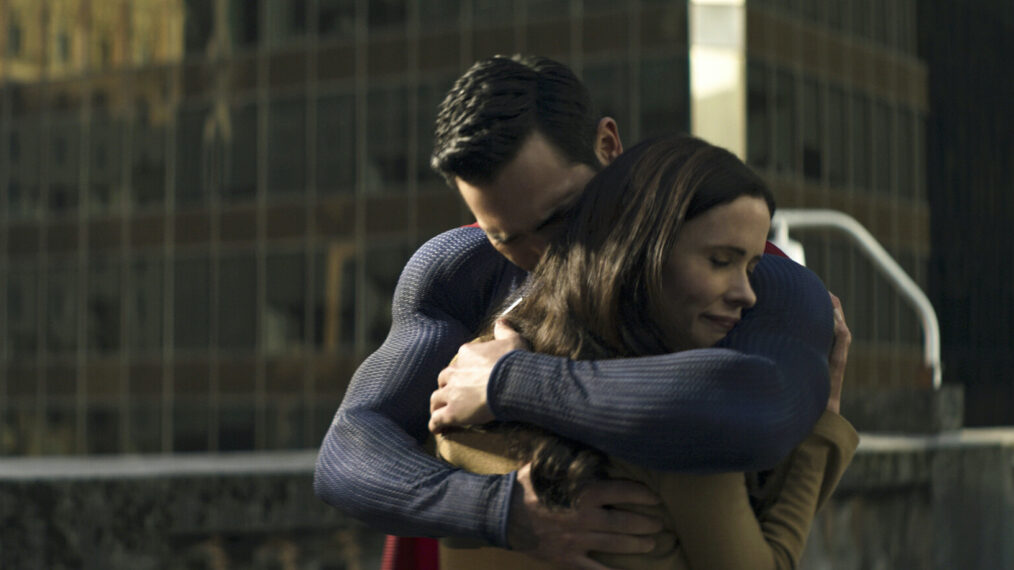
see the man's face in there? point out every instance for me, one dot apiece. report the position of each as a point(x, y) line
point(522, 208)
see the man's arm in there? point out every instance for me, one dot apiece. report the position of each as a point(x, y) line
point(371, 463)
point(741, 407)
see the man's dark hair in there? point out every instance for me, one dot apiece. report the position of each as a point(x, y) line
point(493, 108)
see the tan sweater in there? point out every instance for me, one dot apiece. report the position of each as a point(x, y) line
point(708, 521)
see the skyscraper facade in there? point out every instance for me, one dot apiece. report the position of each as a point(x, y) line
point(205, 204)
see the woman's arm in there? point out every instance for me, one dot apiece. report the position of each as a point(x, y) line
point(741, 408)
point(716, 526)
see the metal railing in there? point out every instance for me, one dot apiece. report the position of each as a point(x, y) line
point(909, 290)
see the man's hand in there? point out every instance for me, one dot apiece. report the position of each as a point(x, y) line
point(460, 399)
point(839, 355)
point(564, 537)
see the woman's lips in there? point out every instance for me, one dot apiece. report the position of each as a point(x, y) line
point(726, 323)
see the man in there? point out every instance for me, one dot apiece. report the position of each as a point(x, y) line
point(519, 139)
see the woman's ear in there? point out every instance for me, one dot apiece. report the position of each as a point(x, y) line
point(607, 141)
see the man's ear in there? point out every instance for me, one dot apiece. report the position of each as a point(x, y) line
point(607, 141)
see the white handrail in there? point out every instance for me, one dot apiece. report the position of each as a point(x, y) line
point(784, 219)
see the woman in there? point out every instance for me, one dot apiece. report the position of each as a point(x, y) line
point(656, 258)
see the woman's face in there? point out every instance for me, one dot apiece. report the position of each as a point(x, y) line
point(705, 281)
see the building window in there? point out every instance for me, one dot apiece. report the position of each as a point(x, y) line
point(334, 296)
point(665, 84)
point(336, 148)
point(286, 20)
point(609, 82)
point(244, 25)
point(148, 168)
point(287, 146)
point(862, 143)
point(22, 311)
point(61, 308)
point(336, 18)
point(284, 314)
point(14, 39)
point(191, 156)
point(837, 137)
point(237, 301)
point(104, 296)
point(785, 121)
point(906, 154)
point(387, 141)
point(813, 145)
point(386, 13)
point(883, 149)
point(192, 302)
point(198, 26)
point(759, 123)
point(241, 182)
point(145, 304)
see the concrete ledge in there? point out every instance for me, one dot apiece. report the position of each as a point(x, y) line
point(246, 510)
point(939, 501)
point(905, 410)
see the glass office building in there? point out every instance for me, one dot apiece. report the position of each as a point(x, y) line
point(205, 204)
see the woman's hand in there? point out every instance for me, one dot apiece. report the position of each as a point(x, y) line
point(839, 355)
point(460, 399)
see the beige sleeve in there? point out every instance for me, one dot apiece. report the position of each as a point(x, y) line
point(718, 529)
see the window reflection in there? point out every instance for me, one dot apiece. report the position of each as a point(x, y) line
point(22, 310)
point(334, 297)
point(105, 147)
point(63, 165)
point(284, 313)
point(785, 121)
point(286, 20)
point(386, 13)
point(192, 302)
point(387, 140)
point(336, 154)
point(813, 143)
point(62, 308)
point(236, 301)
point(884, 150)
point(190, 155)
point(104, 309)
point(244, 27)
point(147, 155)
point(145, 304)
point(287, 145)
point(198, 26)
point(608, 83)
point(336, 18)
point(664, 103)
point(759, 120)
point(241, 183)
point(862, 143)
point(837, 137)
point(23, 167)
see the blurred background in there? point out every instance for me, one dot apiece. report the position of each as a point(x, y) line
point(205, 204)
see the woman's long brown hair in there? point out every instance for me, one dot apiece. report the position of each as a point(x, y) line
point(596, 291)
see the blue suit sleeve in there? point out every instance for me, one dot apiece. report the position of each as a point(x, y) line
point(371, 463)
point(742, 406)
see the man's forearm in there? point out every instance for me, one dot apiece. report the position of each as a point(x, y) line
point(374, 472)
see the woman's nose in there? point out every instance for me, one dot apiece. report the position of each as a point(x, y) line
point(741, 292)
